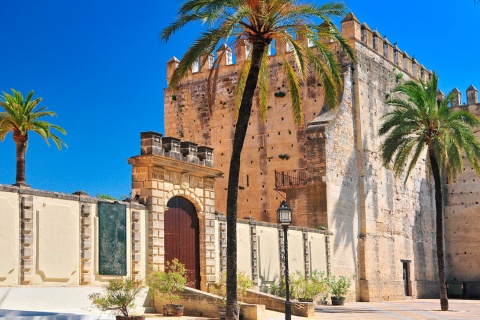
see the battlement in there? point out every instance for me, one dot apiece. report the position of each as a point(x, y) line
point(472, 97)
point(154, 143)
point(354, 31)
point(351, 29)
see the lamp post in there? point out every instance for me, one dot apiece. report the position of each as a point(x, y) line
point(284, 213)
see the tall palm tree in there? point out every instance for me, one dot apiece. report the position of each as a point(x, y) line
point(21, 116)
point(259, 22)
point(422, 122)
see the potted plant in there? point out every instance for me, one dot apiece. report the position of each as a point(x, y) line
point(309, 289)
point(339, 289)
point(220, 289)
point(119, 295)
point(169, 283)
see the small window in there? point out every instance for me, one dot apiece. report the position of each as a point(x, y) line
point(385, 49)
point(422, 74)
point(364, 35)
point(405, 63)
point(395, 56)
point(375, 42)
point(414, 69)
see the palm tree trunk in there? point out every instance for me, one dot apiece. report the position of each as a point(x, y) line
point(233, 177)
point(21, 148)
point(442, 279)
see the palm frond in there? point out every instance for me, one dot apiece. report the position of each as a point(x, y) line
point(295, 94)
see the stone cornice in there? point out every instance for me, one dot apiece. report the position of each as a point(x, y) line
point(175, 165)
point(83, 197)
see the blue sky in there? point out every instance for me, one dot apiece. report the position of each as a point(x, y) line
point(100, 67)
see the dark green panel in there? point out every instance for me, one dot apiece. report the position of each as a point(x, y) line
point(112, 234)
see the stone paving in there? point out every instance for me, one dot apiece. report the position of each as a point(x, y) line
point(425, 309)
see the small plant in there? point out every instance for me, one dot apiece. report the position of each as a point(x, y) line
point(387, 96)
point(280, 94)
point(220, 288)
point(339, 287)
point(278, 288)
point(119, 295)
point(399, 76)
point(241, 187)
point(174, 98)
point(169, 282)
point(310, 289)
point(321, 227)
point(105, 196)
point(284, 156)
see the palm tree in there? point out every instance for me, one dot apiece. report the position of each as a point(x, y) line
point(259, 22)
point(21, 116)
point(422, 122)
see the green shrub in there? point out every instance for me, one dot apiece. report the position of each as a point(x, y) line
point(220, 288)
point(278, 288)
point(316, 287)
point(169, 282)
point(339, 287)
point(119, 295)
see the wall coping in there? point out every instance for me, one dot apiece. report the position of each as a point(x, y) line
point(221, 217)
point(77, 196)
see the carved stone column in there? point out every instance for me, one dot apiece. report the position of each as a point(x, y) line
point(306, 253)
point(254, 250)
point(86, 244)
point(136, 246)
point(26, 208)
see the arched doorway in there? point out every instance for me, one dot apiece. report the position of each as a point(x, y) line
point(182, 237)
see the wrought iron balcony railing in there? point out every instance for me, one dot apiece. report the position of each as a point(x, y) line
point(290, 179)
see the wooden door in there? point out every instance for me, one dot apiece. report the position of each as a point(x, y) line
point(182, 237)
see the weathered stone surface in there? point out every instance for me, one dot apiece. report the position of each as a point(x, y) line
point(379, 224)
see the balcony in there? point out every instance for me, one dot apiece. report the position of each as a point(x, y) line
point(291, 179)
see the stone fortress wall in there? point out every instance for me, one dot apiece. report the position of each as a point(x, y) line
point(330, 168)
point(461, 215)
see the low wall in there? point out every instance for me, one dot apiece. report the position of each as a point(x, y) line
point(203, 304)
point(271, 302)
point(56, 239)
point(53, 239)
point(261, 250)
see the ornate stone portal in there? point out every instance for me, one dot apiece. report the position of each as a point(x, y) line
point(158, 175)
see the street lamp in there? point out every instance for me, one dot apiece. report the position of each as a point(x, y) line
point(284, 214)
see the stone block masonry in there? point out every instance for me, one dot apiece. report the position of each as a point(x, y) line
point(379, 224)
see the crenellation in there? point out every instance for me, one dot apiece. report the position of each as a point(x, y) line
point(472, 95)
point(353, 30)
point(172, 65)
point(457, 97)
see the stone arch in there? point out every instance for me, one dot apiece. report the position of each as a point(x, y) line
point(189, 195)
point(162, 172)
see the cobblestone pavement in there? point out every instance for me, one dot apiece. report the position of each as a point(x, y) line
point(425, 309)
